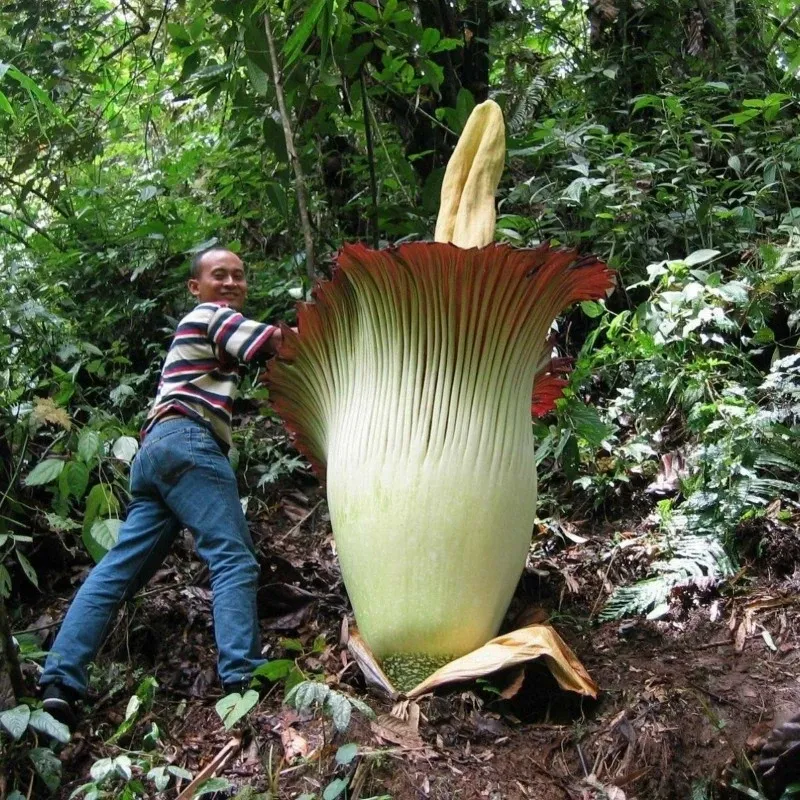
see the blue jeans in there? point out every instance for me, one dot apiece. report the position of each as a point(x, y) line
point(179, 478)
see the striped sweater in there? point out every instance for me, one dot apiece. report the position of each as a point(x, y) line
point(201, 371)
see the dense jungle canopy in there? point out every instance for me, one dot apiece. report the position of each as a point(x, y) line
point(662, 137)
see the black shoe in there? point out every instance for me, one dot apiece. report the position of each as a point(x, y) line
point(780, 758)
point(59, 701)
point(257, 683)
point(229, 687)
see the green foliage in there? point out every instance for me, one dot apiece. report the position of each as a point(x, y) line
point(334, 704)
point(233, 707)
point(24, 732)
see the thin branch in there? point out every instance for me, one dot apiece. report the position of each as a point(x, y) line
point(14, 235)
point(373, 182)
point(33, 226)
point(41, 195)
point(782, 27)
point(302, 206)
point(161, 20)
point(137, 34)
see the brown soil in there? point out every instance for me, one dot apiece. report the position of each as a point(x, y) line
point(684, 699)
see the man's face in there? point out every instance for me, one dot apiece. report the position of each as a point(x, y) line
point(222, 280)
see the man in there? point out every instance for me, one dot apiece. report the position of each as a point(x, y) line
point(181, 477)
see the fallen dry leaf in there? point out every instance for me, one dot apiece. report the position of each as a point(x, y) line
point(741, 637)
point(294, 745)
point(390, 729)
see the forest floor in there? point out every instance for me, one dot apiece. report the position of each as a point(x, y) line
point(684, 699)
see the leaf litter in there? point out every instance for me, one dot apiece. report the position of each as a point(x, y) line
point(683, 699)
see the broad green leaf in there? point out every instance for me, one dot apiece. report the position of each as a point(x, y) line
point(30, 572)
point(305, 694)
point(465, 102)
point(159, 777)
point(212, 785)
point(74, 480)
point(102, 536)
point(447, 44)
point(89, 445)
point(275, 139)
point(15, 720)
point(134, 704)
point(258, 78)
point(646, 101)
point(6, 106)
point(125, 448)
point(367, 11)
point(355, 58)
point(47, 766)
point(45, 723)
point(300, 35)
point(340, 710)
point(179, 772)
point(587, 423)
point(346, 753)
point(275, 670)
point(742, 117)
point(120, 393)
point(179, 33)
point(592, 309)
point(45, 472)
point(101, 502)
point(700, 257)
point(26, 83)
point(428, 40)
point(190, 65)
point(197, 26)
point(361, 707)
point(433, 73)
point(255, 41)
point(101, 769)
point(122, 765)
point(277, 196)
point(334, 788)
point(233, 707)
point(152, 738)
point(149, 192)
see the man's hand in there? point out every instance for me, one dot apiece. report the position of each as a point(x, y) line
point(274, 342)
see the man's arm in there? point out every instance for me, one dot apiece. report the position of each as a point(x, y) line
point(242, 338)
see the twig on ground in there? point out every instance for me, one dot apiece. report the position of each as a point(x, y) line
point(603, 584)
point(216, 763)
point(709, 645)
point(302, 522)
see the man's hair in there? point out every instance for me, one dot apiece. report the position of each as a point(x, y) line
point(196, 266)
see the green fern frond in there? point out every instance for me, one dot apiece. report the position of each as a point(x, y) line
point(693, 557)
point(636, 599)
